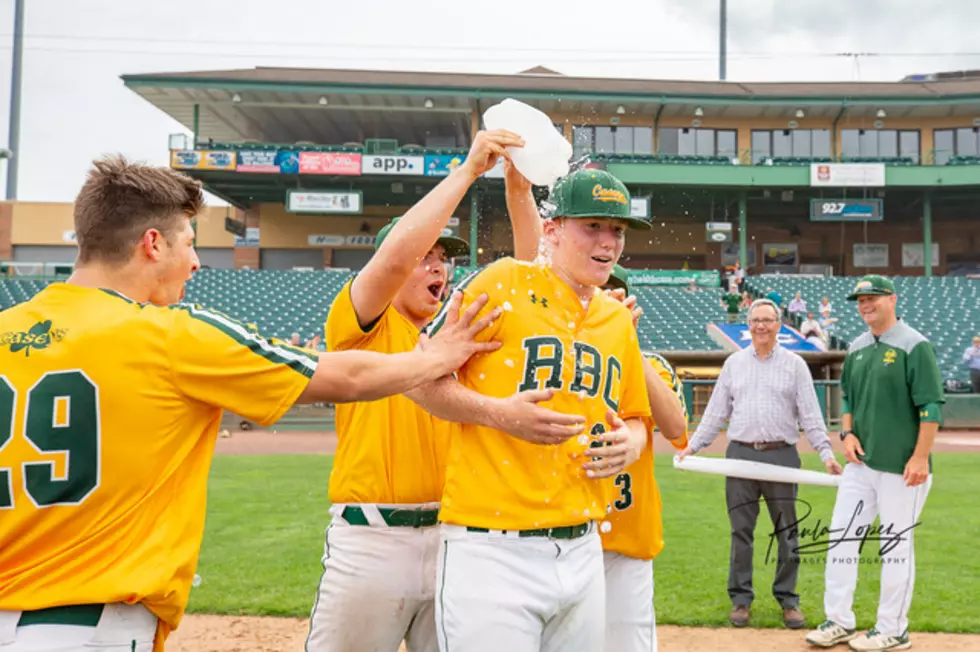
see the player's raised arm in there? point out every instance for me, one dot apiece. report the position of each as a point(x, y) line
point(418, 230)
point(525, 221)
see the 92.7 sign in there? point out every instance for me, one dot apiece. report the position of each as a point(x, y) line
point(846, 210)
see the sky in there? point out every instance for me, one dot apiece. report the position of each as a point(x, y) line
point(74, 107)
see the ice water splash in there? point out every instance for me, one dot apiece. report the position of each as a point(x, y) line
point(509, 362)
point(605, 527)
point(506, 306)
point(197, 580)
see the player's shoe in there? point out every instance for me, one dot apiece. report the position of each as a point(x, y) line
point(875, 641)
point(828, 634)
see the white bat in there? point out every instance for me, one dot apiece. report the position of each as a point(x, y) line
point(754, 471)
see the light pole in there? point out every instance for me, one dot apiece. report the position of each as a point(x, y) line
point(722, 40)
point(13, 133)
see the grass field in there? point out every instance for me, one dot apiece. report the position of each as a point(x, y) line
point(266, 516)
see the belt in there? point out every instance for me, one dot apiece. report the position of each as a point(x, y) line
point(764, 445)
point(82, 615)
point(564, 532)
point(395, 516)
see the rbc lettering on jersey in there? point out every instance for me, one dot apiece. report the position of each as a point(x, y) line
point(593, 373)
point(738, 336)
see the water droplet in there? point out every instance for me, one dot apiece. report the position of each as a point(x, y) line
point(547, 499)
point(506, 306)
point(483, 376)
point(605, 527)
point(571, 324)
point(505, 462)
point(530, 293)
point(197, 580)
point(537, 523)
point(583, 439)
point(585, 513)
point(498, 513)
point(509, 362)
point(513, 291)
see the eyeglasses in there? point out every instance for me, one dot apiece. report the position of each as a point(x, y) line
point(766, 322)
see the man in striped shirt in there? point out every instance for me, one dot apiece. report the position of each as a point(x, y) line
point(767, 395)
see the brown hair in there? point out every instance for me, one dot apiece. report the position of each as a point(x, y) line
point(121, 200)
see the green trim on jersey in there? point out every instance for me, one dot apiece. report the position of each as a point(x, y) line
point(295, 358)
point(440, 319)
point(885, 383)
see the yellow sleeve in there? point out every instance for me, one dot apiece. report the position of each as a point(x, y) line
point(494, 280)
point(634, 401)
point(343, 331)
point(669, 376)
point(222, 362)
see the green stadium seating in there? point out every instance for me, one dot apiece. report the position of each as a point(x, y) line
point(946, 309)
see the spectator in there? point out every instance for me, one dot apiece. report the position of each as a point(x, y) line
point(313, 343)
point(810, 326)
point(746, 300)
point(971, 358)
point(692, 286)
point(825, 305)
point(827, 323)
point(294, 339)
point(732, 303)
point(776, 298)
point(797, 306)
point(739, 275)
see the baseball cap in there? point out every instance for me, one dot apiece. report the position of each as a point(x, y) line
point(455, 246)
point(619, 278)
point(872, 284)
point(593, 193)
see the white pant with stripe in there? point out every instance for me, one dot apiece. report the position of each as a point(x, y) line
point(631, 623)
point(377, 587)
point(500, 592)
point(862, 495)
point(122, 628)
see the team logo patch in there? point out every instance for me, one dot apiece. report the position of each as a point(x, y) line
point(889, 357)
point(40, 336)
point(608, 194)
point(863, 285)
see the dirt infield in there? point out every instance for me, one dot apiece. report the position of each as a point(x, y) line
point(202, 633)
point(244, 634)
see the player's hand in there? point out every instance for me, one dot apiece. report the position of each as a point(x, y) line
point(684, 453)
point(514, 181)
point(521, 417)
point(619, 294)
point(487, 148)
point(456, 341)
point(619, 447)
point(852, 449)
point(833, 466)
point(916, 471)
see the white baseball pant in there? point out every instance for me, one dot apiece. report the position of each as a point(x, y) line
point(631, 623)
point(121, 628)
point(862, 495)
point(498, 591)
point(377, 588)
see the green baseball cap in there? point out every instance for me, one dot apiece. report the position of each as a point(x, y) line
point(593, 193)
point(454, 245)
point(872, 284)
point(619, 278)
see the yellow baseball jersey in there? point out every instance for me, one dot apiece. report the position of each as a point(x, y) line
point(109, 412)
point(389, 451)
point(589, 355)
point(635, 524)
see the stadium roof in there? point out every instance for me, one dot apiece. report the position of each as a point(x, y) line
point(264, 103)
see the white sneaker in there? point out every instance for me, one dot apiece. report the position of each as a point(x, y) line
point(875, 641)
point(829, 634)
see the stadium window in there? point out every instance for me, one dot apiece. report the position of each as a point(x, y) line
point(583, 141)
point(850, 144)
point(868, 143)
point(782, 143)
point(704, 142)
point(966, 141)
point(943, 145)
point(761, 148)
point(727, 143)
point(643, 140)
point(669, 141)
point(802, 143)
point(604, 140)
point(686, 143)
point(623, 140)
point(887, 143)
point(820, 145)
point(908, 145)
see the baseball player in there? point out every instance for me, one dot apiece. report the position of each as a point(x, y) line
point(111, 396)
point(380, 548)
point(633, 533)
point(520, 565)
point(892, 394)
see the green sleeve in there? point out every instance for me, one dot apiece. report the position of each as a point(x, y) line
point(923, 376)
point(845, 375)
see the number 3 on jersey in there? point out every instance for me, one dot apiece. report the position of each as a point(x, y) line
point(625, 485)
point(62, 411)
